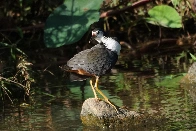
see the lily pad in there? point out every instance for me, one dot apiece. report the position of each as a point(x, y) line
point(165, 16)
point(70, 21)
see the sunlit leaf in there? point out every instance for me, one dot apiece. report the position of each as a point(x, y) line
point(70, 21)
point(193, 57)
point(164, 15)
point(181, 55)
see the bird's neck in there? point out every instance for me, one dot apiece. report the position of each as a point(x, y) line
point(111, 44)
point(98, 40)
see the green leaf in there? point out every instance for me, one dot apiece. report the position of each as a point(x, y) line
point(70, 21)
point(13, 54)
point(20, 32)
point(164, 15)
point(175, 2)
point(5, 44)
point(47, 94)
point(11, 48)
point(193, 57)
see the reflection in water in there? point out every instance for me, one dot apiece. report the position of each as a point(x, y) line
point(57, 106)
point(191, 88)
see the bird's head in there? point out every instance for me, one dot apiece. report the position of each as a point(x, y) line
point(111, 43)
point(97, 34)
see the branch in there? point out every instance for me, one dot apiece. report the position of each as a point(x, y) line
point(24, 28)
point(115, 12)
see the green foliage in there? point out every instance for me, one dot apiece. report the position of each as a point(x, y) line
point(70, 21)
point(193, 57)
point(15, 72)
point(13, 49)
point(175, 2)
point(20, 79)
point(165, 16)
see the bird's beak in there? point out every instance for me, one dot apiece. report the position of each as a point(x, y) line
point(93, 34)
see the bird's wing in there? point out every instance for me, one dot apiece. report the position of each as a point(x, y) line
point(94, 61)
point(77, 61)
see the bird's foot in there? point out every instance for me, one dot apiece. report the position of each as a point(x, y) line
point(106, 100)
point(98, 98)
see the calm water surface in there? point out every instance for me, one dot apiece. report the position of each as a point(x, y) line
point(56, 103)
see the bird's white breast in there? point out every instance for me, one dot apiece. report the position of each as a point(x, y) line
point(111, 44)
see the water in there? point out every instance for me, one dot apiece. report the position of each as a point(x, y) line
point(154, 88)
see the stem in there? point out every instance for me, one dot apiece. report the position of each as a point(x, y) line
point(12, 82)
point(115, 12)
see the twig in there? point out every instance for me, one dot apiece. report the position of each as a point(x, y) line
point(115, 12)
point(24, 28)
point(7, 95)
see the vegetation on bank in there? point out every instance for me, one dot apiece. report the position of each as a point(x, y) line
point(29, 27)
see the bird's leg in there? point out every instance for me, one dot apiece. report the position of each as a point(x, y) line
point(97, 89)
point(95, 94)
point(106, 99)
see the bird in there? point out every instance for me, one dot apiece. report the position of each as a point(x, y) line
point(96, 61)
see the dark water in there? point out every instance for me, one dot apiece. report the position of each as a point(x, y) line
point(148, 86)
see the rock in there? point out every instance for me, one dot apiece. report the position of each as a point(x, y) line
point(192, 73)
point(188, 82)
point(99, 113)
point(190, 77)
point(192, 69)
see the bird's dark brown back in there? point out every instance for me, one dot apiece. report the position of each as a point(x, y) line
point(96, 60)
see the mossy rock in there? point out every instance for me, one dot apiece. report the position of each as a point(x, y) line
point(99, 113)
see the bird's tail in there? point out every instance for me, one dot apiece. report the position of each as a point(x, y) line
point(76, 77)
point(65, 68)
point(73, 76)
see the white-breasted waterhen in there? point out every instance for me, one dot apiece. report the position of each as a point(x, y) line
point(96, 61)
